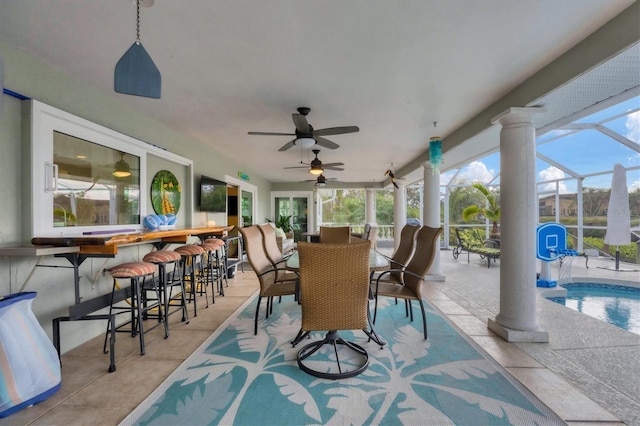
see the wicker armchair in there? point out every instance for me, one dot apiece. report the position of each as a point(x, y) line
point(334, 293)
point(335, 234)
point(271, 248)
point(409, 287)
point(401, 256)
point(273, 281)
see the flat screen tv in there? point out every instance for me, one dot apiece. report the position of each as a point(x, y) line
point(213, 195)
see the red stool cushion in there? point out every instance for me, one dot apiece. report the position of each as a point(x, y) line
point(209, 247)
point(216, 242)
point(133, 269)
point(189, 250)
point(162, 256)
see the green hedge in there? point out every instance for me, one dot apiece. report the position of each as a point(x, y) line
point(628, 253)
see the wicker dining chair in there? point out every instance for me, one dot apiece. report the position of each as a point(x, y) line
point(274, 282)
point(334, 293)
point(270, 243)
point(410, 285)
point(335, 234)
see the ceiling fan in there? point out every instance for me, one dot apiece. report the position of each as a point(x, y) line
point(306, 136)
point(321, 180)
point(316, 167)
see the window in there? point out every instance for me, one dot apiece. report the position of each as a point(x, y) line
point(87, 178)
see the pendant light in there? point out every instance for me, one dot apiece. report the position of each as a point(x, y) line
point(121, 168)
point(135, 73)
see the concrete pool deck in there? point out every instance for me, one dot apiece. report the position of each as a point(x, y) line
point(599, 361)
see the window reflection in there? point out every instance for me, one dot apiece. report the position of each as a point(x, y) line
point(88, 193)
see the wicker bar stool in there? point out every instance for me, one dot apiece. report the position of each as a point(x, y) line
point(218, 252)
point(192, 264)
point(142, 280)
point(170, 277)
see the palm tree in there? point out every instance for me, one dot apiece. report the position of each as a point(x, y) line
point(491, 212)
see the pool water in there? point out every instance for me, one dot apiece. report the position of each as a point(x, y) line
point(618, 305)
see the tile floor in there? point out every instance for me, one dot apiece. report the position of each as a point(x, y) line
point(587, 365)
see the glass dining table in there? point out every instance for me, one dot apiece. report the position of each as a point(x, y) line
point(377, 261)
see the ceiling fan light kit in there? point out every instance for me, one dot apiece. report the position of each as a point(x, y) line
point(316, 170)
point(305, 143)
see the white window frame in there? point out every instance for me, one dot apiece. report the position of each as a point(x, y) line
point(38, 188)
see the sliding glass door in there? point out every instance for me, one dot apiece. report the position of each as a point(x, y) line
point(297, 206)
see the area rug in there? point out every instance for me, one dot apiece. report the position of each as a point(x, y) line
point(236, 378)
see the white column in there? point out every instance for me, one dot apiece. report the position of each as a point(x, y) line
point(399, 212)
point(370, 206)
point(431, 212)
point(517, 321)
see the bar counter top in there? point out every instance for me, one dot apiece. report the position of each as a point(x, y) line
point(108, 243)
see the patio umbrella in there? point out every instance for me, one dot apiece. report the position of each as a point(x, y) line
point(618, 213)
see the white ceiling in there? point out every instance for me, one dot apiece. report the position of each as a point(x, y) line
point(393, 68)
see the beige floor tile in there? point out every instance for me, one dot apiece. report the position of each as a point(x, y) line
point(561, 397)
point(471, 325)
point(507, 354)
point(449, 307)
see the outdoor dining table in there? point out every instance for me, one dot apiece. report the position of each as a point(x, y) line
point(377, 262)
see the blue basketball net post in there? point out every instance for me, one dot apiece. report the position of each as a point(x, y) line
point(551, 239)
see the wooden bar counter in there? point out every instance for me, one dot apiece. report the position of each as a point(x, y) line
point(107, 243)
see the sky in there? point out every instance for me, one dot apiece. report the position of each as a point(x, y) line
point(584, 152)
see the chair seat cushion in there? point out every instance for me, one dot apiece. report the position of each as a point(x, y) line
point(394, 290)
point(162, 256)
point(133, 269)
point(190, 250)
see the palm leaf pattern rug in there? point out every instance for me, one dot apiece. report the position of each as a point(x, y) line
point(236, 378)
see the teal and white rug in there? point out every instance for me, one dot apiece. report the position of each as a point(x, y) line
point(236, 378)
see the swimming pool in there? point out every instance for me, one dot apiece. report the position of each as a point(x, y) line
point(618, 305)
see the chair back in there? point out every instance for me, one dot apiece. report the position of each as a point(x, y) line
point(270, 243)
point(335, 234)
point(372, 234)
point(334, 285)
point(257, 256)
point(405, 249)
point(427, 242)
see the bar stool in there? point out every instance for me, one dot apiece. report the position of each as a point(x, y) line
point(170, 276)
point(142, 279)
point(215, 248)
point(192, 263)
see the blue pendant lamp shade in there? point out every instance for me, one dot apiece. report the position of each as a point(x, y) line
point(435, 152)
point(136, 74)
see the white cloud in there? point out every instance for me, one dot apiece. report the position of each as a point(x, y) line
point(633, 127)
point(476, 171)
point(634, 186)
point(552, 173)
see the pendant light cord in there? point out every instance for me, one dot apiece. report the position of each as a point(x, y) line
point(137, 21)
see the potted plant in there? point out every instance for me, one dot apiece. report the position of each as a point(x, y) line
point(491, 211)
point(284, 223)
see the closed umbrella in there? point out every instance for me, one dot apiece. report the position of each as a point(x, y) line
point(618, 213)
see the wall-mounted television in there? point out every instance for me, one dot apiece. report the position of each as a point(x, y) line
point(213, 195)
